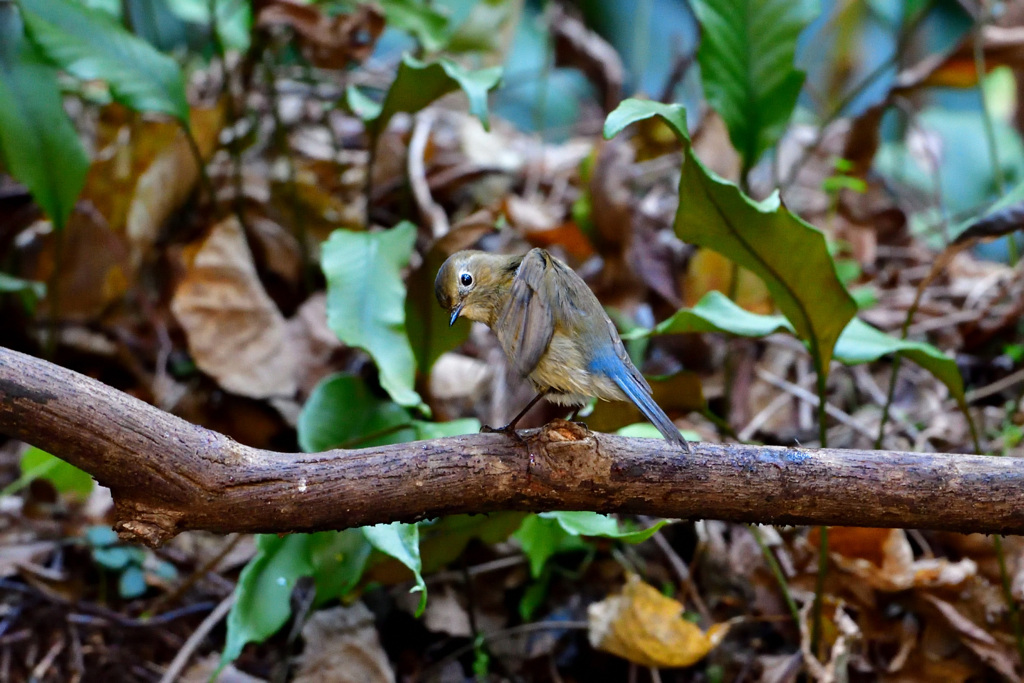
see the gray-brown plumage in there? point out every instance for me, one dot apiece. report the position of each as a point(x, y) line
point(552, 328)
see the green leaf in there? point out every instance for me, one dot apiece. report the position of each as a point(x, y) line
point(234, 19)
point(603, 526)
point(417, 84)
point(858, 343)
point(65, 477)
point(548, 533)
point(91, 46)
point(438, 430)
point(790, 255)
point(645, 430)
point(423, 22)
point(366, 301)
point(343, 413)
point(429, 331)
point(746, 57)
point(361, 105)
point(541, 539)
point(264, 591)
point(132, 582)
point(715, 312)
point(338, 559)
point(37, 141)
point(862, 343)
point(29, 290)
point(402, 542)
point(442, 541)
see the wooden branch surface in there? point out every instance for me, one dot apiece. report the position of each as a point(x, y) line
point(167, 475)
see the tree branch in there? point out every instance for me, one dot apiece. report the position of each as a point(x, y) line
point(167, 475)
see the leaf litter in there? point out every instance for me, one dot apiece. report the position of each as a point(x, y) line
point(214, 307)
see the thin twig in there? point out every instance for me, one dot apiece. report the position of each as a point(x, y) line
point(684, 576)
point(181, 659)
point(780, 578)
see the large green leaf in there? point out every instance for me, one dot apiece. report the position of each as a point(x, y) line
point(859, 342)
point(88, 44)
point(715, 312)
point(343, 413)
point(862, 343)
point(234, 19)
point(366, 301)
point(263, 602)
point(548, 533)
point(402, 542)
point(790, 255)
point(420, 20)
point(337, 559)
point(746, 63)
point(417, 84)
point(37, 141)
point(65, 477)
point(429, 331)
point(334, 559)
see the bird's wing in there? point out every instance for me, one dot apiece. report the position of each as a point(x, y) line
point(527, 322)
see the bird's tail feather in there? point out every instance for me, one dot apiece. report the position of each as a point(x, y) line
point(650, 409)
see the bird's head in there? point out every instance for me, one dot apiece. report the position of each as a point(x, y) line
point(471, 284)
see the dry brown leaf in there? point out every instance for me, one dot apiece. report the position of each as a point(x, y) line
point(342, 646)
point(170, 178)
point(204, 670)
point(235, 332)
point(644, 626)
point(980, 641)
point(579, 47)
point(841, 631)
point(328, 42)
point(884, 559)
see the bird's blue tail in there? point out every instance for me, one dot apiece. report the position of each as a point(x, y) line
point(639, 395)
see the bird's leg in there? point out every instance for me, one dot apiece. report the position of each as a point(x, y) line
point(574, 414)
point(510, 428)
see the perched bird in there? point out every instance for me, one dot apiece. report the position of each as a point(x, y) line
point(552, 328)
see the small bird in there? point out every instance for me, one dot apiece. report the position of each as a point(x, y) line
point(552, 328)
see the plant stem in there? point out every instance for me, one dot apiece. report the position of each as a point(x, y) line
point(780, 578)
point(819, 582)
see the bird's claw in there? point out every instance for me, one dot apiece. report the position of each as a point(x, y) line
point(507, 430)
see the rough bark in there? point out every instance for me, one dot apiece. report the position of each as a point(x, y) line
point(167, 475)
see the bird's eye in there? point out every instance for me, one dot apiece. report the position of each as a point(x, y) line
point(466, 279)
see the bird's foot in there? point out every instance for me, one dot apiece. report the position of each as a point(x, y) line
point(508, 430)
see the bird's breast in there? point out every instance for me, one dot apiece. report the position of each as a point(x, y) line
point(563, 371)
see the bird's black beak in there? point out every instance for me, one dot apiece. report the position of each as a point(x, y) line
point(455, 314)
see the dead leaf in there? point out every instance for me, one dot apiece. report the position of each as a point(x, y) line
point(235, 332)
point(980, 641)
point(884, 559)
point(647, 628)
point(579, 47)
point(328, 42)
point(845, 631)
point(342, 646)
